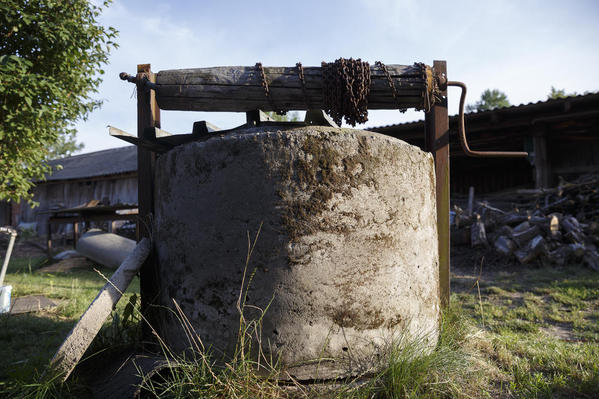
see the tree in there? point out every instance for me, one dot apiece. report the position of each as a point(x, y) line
point(65, 146)
point(287, 117)
point(554, 94)
point(51, 54)
point(490, 99)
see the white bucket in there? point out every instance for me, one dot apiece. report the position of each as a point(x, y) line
point(5, 291)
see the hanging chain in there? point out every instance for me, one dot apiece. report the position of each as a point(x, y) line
point(383, 67)
point(346, 86)
point(267, 90)
point(300, 73)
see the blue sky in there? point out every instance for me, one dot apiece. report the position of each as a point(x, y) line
point(520, 47)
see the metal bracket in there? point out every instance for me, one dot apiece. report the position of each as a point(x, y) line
point(464, 140)
point(133, 79)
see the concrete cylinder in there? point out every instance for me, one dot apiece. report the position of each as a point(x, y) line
point(346, 256)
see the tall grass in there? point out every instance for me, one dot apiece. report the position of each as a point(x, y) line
point(413, 370)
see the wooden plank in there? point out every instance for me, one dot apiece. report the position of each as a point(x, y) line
point(437, 142)
point(240, 88)
point(148, 116)
point(74, 346)
point(277, 76)
point(150, 142)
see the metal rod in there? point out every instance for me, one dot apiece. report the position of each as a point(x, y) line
point(133, 79)
point(464, 140)
point(11, 243)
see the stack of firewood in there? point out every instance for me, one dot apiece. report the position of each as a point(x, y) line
point(558, 225)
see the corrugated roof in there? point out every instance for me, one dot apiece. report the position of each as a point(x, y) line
point(94, 164)
point(510, 109)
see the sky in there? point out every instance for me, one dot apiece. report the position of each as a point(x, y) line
point(520, 47)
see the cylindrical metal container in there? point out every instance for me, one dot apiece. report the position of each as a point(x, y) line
point(346, 256)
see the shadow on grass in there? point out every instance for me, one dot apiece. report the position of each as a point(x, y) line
point(28, 342)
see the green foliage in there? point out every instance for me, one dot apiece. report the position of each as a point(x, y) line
point(555, 94)
point(51, 54)
point(490, 99)
point(288, 117)
point(65, 146)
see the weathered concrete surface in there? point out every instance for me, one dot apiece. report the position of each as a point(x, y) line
point(107, 249)
point(346, 257)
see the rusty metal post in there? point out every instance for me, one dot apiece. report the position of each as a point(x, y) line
point(148, 116)
point(437, 142)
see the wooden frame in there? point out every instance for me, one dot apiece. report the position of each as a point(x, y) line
point(437, 142)
point(148, 116)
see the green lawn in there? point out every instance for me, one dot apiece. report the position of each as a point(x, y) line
point(541, 326)
point(28, 341)
point(510, 333)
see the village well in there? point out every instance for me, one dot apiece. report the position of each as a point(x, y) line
point(345, 231)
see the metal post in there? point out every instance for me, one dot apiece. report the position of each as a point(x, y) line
point(437, 142)
point(148, 116)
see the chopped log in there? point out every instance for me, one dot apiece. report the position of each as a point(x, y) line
point(521, 238)
point(573, 230)
point(491, 208)
point(561, 255)
point(591, 259)
point(504, 245)
point(521, 227)
point(81, 336)
point(513, 218)
point(478, 235)
point(577, 250)
point(470, 200)
point(240, 88)
point(533, 249)
point(553, 225)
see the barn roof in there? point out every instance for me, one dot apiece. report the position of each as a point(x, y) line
point(95, 164)
point(551, 105)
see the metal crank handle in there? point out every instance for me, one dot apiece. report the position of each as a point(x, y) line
point(464, 140)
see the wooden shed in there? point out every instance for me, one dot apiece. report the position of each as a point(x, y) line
point(108, 177)
point(561, 136)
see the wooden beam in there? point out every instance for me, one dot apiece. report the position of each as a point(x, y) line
point(150, 142)
point(437, 142)
point(240, 88)
point(148, 117)
point(74, 346)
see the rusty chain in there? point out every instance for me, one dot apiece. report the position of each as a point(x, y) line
point(383, 67)
point(346, 86)
point(300, 73)
point(267, 90)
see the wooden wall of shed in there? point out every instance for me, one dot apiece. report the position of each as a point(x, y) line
point(69, 194)
point(573, 152)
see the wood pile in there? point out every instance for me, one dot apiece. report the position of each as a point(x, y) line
point(554, 226)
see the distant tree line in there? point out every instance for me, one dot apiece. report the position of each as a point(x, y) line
point(493, 98)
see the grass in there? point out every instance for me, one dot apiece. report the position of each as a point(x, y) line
point(542, 328)
point(28, 341)
point(516, 333)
